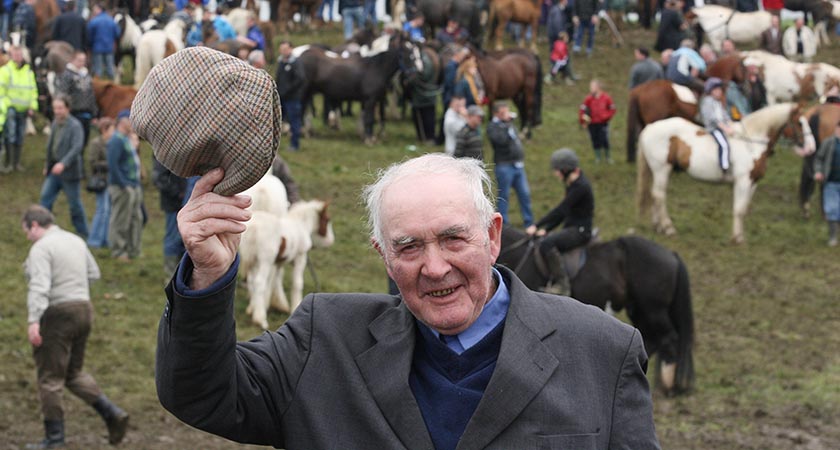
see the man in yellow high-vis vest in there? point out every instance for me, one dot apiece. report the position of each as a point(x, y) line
point(19, 94)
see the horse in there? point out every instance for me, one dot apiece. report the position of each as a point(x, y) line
point(676, 143)
point(656, 100)
point(514, 74)
point(630, 272)
point(466, 12)
point(156, 45)
point(282, 11)
point(45, 12)
point(111, 98)
point(526, 12)
point(720, 23)
point(786, 80)
point(129, 41)
point(728, 68)
point(358, 78)
point(268, 242)
point(823, 119)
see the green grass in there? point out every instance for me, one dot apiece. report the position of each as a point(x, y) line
point(768, 329)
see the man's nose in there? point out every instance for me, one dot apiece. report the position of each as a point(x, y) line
point(435, 264)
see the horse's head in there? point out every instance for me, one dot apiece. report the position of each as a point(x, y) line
point(324, 236)
point(798, 130)
point(409, 55)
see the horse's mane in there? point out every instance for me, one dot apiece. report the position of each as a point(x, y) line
point(767, 114)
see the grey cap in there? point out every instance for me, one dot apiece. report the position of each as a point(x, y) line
point(475, 110)
point(564, 159)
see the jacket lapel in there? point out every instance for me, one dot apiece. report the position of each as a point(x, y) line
point(524, 366)
point(385, 367)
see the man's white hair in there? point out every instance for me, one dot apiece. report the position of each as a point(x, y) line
point(471, 171)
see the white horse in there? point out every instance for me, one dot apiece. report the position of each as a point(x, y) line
point(156, 45)
point(676, 142)
point(129, 40)
point(269, 195)
point(238, 19)
point(720, 23)
point(786, 80)
point(269, 242)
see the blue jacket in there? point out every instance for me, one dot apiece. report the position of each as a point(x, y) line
point(123, 170)
point(223, 28)
point(103, 33)
point(256, 35)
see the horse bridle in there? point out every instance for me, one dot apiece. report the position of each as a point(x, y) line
point(527, 240)
point(798, 135)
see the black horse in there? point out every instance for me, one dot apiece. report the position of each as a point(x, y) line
point(466, 12)
point(357, 78)
point(634, 273)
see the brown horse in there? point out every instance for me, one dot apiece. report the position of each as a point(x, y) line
point(728, 68)
point(112, 98)
point(514, 74)
point(283, 10)
point(526, 12)
point(823, 120)
point(45, 12)
point(652, 101)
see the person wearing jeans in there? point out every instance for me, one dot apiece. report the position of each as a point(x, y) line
point(290, 79)
point(98, 164)
point(509, 158)
point(586, 21)
point(103, 33)
point(64, 164)
point(353, 16)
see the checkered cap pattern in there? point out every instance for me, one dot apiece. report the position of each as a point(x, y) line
point(201, 109)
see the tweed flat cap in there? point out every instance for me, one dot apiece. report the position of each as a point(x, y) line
point(201, 109)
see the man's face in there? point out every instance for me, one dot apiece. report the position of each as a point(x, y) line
point(16, 55)
point(639, 56)
point(30, 232)
point(438, 251)
point(285, 50)
point(503, 113)
point(60, 110)
point(728, 47)
point(474, 121)
point(774, 21)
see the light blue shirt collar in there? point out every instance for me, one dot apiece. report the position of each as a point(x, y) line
point(494, 313)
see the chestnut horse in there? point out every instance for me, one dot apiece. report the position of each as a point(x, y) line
point(655, 100)
point(526, 12)
point(111, 98)
point(514, 74)
point(659, 99)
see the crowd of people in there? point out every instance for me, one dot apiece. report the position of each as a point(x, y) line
point(110, 163)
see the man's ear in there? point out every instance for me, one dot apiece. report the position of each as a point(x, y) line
point(376, 245)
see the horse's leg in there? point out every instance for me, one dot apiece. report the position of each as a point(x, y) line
point(661, 220)
point(741, 191)
point(257, 291)
point(278, 299)
point(368, 119)
point(297, 280)
point(535, 26)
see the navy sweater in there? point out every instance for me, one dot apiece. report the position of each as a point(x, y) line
point(448, 386)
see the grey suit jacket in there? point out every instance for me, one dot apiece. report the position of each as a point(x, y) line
point(335, 375)
point(68, 149)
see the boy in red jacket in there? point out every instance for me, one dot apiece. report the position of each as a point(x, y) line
point(595, 112)
point(560, 59)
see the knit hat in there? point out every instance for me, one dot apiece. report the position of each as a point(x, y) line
point(711, 83)
point(201, 109)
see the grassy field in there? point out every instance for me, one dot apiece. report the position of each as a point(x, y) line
point(768, 330)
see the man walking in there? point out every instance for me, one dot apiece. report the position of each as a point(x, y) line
point(290, 79)
point(64, 164)
point(509, 157)
point(59, 269)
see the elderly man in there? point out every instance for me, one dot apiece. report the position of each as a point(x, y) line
point(771, 38)
point(799, 43)
point(59, 270)
point(467, 356)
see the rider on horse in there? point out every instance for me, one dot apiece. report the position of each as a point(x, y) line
point(575, 212)
point(716, 119)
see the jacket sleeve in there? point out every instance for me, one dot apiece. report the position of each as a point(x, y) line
point(822, 152)
point(632, 421)
point(33, 93)
point(39, 273)
point(497, 134)
point(76, 140)
point(114, 152)
point(239, 391)
point(610, 107)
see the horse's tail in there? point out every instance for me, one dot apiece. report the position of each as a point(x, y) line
point(143, 63)
point(536, 113)
point(634, 121)
point(682, 317)
point(644, 182)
